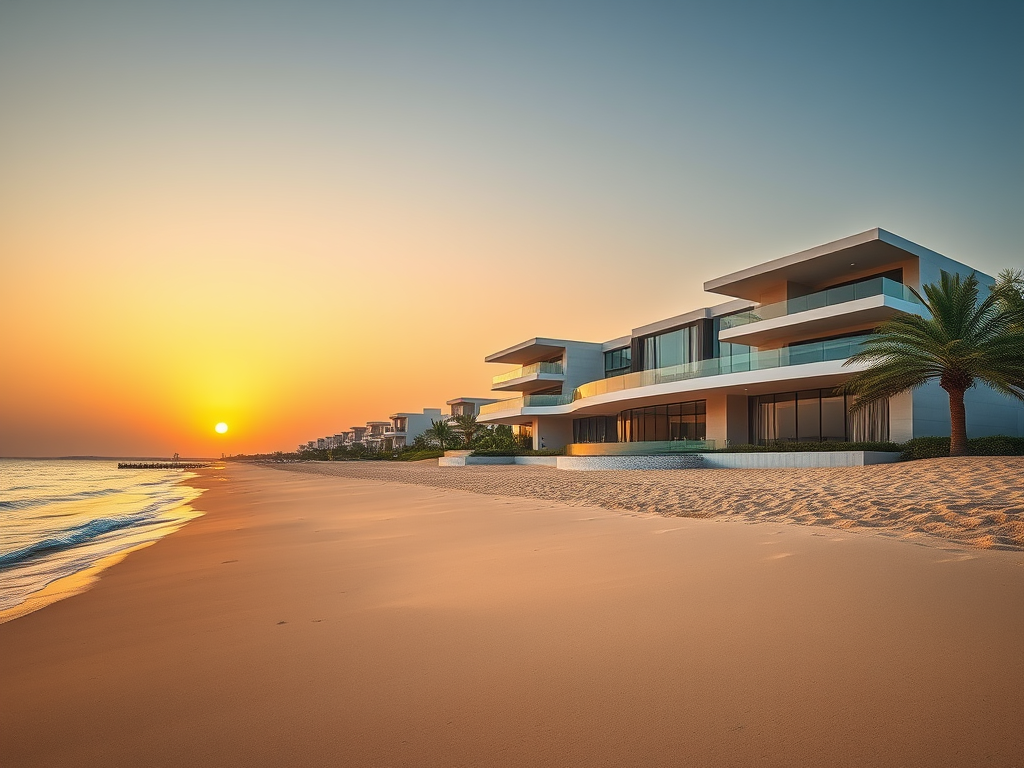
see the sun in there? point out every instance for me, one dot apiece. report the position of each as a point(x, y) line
point(221, 428)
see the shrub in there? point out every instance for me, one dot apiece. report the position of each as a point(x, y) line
point(996, 445)
point(414, 454)
point(519, 452)
point(937, 447)
point(925, 448)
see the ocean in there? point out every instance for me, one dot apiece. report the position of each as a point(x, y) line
point(60, 519)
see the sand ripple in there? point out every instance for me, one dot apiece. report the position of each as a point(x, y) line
point(977, 501)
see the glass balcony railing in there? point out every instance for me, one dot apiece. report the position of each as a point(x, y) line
point(527, 370)
point(817, 352)
point(876, 286)
point(527, 401)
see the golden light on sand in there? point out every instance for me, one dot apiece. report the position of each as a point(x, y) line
point(221, 428)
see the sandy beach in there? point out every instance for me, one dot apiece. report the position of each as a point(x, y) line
point(386, 615)
point(978, 501)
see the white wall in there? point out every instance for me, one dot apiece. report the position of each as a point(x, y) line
point(418, 423)
point(552, 431)
point(582, 362)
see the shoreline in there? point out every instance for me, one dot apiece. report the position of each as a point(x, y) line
point(314, 620)
point(129, 530)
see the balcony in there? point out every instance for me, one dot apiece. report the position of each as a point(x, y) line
point(518, 404)
point(822, 351)
point(869, 302)
point(529, 378)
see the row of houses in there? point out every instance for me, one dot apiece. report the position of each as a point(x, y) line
point(400, 430)
point(765, 365)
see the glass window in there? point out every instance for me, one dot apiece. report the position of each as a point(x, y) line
point(661, 423)
point(808, 416)
point(677, 421)
point(700, 429)
point(650, 353)
point(785, 416)
point(670, 349)
point(833, 419)
point(617, 362)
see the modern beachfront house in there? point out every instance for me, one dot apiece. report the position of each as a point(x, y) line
point(406, 427)
point(762, 366)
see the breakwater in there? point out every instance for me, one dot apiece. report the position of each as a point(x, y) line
point(161, 465)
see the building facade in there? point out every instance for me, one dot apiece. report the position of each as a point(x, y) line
point(406, 427)
point(762, 366)
point(467, 406)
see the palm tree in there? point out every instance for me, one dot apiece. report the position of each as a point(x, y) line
point(469, 427)
point(1010, 288)
point(963, 341)
point(441, 432)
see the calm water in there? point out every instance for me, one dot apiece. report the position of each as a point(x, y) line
point(60, 517)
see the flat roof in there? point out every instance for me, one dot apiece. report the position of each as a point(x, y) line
point(531, 351)
point(474, 400)
point(866, 250)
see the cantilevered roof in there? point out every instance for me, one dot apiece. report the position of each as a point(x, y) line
point(875, 248)
point(531, 351)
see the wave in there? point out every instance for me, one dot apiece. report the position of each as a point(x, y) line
point(81, 534)
point(43, 500)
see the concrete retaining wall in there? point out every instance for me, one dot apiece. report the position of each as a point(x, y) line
point(593, 463)
point(798, 459)
point(462, 461)
point(538, 461)
point(772, 460)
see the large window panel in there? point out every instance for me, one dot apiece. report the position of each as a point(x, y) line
point(785, 417)
point(833, 419)
point(808, 416)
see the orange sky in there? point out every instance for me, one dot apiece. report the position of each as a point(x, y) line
point(298, 217)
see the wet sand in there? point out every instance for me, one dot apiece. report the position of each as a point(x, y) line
point(311, 620)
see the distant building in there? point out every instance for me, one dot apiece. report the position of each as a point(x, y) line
point(375, 434)
point(467, 406)
point(406, 427)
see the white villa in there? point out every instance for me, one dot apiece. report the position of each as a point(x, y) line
point(761, 366)
point(406, 427)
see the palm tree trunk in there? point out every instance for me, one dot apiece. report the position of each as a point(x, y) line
point(957, 423)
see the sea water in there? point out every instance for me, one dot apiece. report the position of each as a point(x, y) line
point(59, 518)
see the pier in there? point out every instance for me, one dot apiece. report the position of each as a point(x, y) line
point(161, 465)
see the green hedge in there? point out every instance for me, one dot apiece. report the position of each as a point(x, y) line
point(529, 452)
point(937, 447)
point(415, 455)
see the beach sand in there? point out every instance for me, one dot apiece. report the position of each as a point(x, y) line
point(345, 621)
point(974, 500)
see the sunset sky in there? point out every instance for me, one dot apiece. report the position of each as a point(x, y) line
point(295, 217)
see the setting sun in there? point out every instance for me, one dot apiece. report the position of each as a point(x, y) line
point(221, 428)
